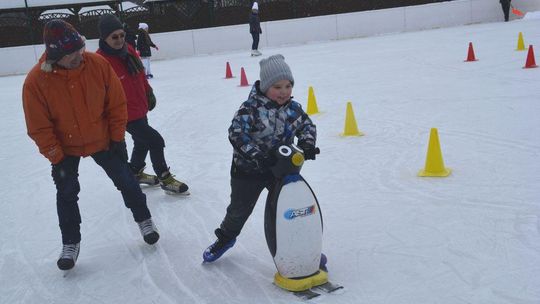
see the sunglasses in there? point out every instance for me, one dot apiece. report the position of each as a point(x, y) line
point(119, 36)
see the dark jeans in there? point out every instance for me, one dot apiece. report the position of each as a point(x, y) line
point(66, 177)
point(146, 139)
point(244, 196)
point(505, 4)
point(255, 44)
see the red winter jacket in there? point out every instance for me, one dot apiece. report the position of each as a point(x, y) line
point(135, 86)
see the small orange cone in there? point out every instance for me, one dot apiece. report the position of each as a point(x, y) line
point(228, 72)
point(434, 161)
point(243, 78)
point(470, 54)
point(517, 12)
point(530, 63)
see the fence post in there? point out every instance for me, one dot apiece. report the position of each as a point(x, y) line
point(211, 12)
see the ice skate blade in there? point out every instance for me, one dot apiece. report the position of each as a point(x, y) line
point(185, 193)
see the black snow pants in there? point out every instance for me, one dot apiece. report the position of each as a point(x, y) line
point(244, 196)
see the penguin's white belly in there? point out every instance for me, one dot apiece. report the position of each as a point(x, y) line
point(298, 231)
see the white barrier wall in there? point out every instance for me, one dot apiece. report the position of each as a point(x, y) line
point(19, 60)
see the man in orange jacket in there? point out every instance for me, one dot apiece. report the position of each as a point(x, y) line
point(75, 107)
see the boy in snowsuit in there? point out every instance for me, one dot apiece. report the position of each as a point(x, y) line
point(268, 119)
point(140, 100)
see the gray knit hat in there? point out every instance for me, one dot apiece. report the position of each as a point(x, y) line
point(274, 69)
point(107, 24)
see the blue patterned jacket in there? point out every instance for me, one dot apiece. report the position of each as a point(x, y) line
point(260, 126)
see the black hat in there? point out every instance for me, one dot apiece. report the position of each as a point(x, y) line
point(107, 24)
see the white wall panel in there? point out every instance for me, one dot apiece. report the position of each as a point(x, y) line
point(370, 23)
point(220, 39)
point(435, 15)
point(297, 31)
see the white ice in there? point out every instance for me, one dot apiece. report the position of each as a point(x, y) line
point(390, 236)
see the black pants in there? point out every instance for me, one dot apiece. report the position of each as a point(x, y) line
point(505, 4)
point(255, 44)
point(146, 139)
point(66, 178)
point(244, 196)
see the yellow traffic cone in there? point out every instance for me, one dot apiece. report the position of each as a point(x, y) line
point(434, 161)
point(350, 123)
point(520, 43)
point(311, 103)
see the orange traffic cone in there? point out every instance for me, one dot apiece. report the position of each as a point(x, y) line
point(517, 12)
point(228, 72)
point(530, 63)
point(470, 54)
point(243, 78)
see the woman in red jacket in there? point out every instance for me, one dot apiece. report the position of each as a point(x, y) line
point(140, 99)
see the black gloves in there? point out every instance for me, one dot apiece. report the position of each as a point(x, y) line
point(151, 99)
point(310, 151)
point(119, 149)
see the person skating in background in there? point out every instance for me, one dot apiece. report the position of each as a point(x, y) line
point(144, 43)
point(268, 119)
point(255, 29)
point(505, 4)
point(74, 107)
point(140, 100)
point(131, 36)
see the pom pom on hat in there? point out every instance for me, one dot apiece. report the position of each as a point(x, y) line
point(274, 69)
point(255, 6)
point(60, 39)
point(143, 26)
point(107, 24)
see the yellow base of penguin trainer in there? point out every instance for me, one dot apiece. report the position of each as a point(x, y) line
point(317, 279)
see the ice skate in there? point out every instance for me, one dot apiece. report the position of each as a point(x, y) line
point(217, 249)
point(68, 256)
point(146, 179)
point(171, 185)
point(148, 231)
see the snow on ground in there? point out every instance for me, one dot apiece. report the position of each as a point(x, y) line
point(390, 236)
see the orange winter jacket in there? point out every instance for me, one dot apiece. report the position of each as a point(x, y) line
point(74, 112)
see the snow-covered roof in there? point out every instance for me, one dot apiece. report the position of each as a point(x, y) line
point(10, 4)
point(125, 6)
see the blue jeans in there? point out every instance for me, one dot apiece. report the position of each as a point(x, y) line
point(146, 139)
point(66, 178)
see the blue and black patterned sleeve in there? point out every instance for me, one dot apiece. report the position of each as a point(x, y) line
point(239, 132)
point(307, 131)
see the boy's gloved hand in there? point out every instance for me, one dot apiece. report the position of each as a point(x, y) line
point(310, 151)
point(119, 149)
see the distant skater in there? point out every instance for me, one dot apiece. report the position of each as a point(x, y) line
point(505, 4)
point(144, 43)
point(255, 29)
